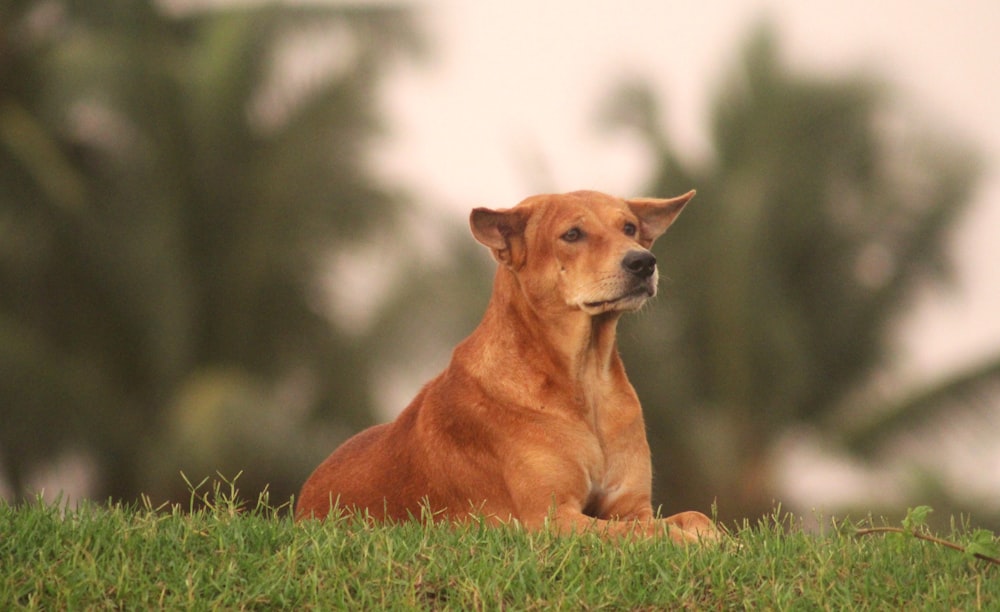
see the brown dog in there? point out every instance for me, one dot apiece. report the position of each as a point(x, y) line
point(534, 419)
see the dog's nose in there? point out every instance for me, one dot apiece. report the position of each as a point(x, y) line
point(640, 263)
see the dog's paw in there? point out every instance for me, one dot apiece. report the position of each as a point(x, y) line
point(692, 526)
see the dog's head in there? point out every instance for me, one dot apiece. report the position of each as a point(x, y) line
point(584, 250)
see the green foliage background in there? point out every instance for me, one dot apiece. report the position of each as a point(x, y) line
point(814, 228)
point(168, 207)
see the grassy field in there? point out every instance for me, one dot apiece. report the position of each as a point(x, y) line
point(228, 557)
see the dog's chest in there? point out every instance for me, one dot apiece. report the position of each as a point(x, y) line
point(612, 443)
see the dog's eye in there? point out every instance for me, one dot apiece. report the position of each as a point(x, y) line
point(631, 229)
point(572, 235)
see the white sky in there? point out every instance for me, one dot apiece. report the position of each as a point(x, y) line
point(516, 82)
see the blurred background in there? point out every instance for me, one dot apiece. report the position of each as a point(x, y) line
point(233, 233)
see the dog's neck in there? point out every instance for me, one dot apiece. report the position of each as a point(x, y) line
point(571, 342)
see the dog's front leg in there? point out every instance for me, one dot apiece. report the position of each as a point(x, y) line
point(681, 528)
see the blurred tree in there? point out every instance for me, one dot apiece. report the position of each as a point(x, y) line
point(168, 197)
point(817, 219)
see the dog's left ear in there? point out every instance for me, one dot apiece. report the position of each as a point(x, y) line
point(499, 230)
point(656, 215)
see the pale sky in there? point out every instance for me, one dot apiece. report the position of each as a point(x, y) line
point(516, 82)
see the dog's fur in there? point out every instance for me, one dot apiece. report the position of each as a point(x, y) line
point(534, 419)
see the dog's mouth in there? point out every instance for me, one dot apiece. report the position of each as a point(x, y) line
point(632, 299)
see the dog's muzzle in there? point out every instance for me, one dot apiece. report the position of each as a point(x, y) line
point(641, 268)
point(640, 263)
point(638, 284)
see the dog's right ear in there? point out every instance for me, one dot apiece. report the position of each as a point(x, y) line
point(656, 215)
point(498, 230)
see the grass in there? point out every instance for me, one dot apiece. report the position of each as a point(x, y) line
point(226, 557)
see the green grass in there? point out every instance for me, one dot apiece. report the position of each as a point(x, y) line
point(96, 557)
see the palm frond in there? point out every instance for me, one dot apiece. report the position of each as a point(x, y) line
point(975, 388)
